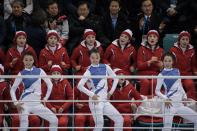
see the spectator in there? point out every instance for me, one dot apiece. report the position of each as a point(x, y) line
point(147, 20)
point(8, 10)
point(36, 33)
point(14, 56)
point(17, 21)
point(185, 61)
point(53, 54)
point(126, 91)
point(149, 62)
point(71, 5)
point(83, 20)
point(57, 22)
point(175, 14)
point(80, 58)
point(61, 91)
point(113, 23)
point(121, 53)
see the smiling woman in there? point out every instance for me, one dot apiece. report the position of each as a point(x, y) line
point(15, 53)
point(32, 91)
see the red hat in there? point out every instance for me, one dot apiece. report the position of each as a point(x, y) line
point(56, 68)
point(1, 69)
point(119, 71)
point(183, 33)
point(153, 32)
point(52, 32)
point(88, 32)
point(128, 32)
point(19, 33)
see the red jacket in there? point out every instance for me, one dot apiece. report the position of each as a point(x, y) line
point(78, 95)
point(60, 55)
point(185, 61)
point(80, 56)
point(11, 106)
point(2, 57)
point(145, 53)
point(61, 91)
point(118, 58)
point(14, 53)
point(126, 93)
point(3, 87)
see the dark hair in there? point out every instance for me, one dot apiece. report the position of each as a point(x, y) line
point(94, 50)
point(83, 2)
point(18, 2)
point(170, 55)
point(118, 1)
point(39, 17)
point(51, 2)
point(28, 53)
point(142, 1)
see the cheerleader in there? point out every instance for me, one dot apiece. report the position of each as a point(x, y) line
point(99, 93)
point(173, 92)
point(32, 91)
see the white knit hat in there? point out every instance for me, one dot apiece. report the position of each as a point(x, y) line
point(128, 32)
point(56, 68)
point(88, 32)
point(52, 32)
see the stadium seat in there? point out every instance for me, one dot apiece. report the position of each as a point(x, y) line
point(169, 40)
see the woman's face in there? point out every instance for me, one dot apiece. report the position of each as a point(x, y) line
point(90, 40)
point(28, 61)
point(168, 62)
point(95, 58)
point(52, 41)
point(21, 41)
point(152, 39)
point(124, 39)
point(56, 73)
point(184, 41)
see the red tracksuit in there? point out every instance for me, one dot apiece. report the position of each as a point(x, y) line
point(14, 53)
point(3, 86)
point(186, 63)
point(34, 121)
point(118, 58)
point(81, 120)
point(60, 55)
point(2, 57)
point(145, 53)
point(126, 93)
point(81, 56)
point(62, 90)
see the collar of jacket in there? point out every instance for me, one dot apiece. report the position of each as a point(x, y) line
point(189, 46)
point(96, 44)
point(58, 45)
point(116, 43)
point(147, 46)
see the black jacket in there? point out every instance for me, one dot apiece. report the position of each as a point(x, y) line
point(14, 24)
point(108, 33)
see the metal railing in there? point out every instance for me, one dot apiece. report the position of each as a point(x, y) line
point(73, 114)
